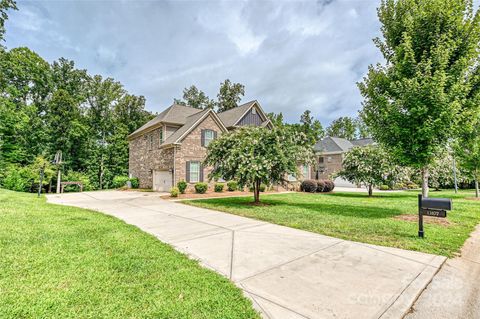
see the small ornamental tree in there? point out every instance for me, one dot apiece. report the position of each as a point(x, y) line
point(253, 156)
point(415, 100)
point(369, 165)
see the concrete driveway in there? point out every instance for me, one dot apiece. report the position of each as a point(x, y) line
point(288, 273)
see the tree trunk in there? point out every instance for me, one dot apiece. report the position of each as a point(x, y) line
point(256, 191)
point(425, 176)
point(476, 188)
point(370, 190)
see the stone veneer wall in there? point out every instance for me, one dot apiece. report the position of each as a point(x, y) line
point(142, 160)
point(191, 149)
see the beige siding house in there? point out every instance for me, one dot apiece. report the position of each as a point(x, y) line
point(172, 146)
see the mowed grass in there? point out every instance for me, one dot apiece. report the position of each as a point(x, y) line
point(355, 216)
point(66, 262)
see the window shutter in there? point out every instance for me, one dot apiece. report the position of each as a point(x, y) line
point(201, 172)
point(187, 177)
point(203, 137)
point(214, 135)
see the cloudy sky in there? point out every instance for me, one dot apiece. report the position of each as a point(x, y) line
point(290, 55)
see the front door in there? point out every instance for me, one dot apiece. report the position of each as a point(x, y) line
point(162, 181)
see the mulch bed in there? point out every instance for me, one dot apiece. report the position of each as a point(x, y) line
point(472, 198)
point(426, 219)
point(191, 195)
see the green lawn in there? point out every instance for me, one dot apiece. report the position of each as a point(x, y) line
point(65, 262)
point(355, 216)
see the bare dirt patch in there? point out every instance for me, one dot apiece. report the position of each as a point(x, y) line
point(472, 198)
point(426, 219)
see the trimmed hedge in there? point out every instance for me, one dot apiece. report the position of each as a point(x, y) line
point(182, 186)
point(309, 186)
point(219, 187)
point(320, 186)
point(134, 181)
point(120, 181)
point(201, 188)
point(232, 186)
point(174, 192)
point(329, 186)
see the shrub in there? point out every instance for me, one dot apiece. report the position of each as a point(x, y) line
point(219, 187)
point(384, 187)
point(232, 186)
point(412, 186)
point(398, 186)
point(174, 192)
point(201, 188)
point(182, 186)
point(309, 186)
point(120, 181)
point(320, 186)
point(329, 186)
point(262, 188)
point(134, 181)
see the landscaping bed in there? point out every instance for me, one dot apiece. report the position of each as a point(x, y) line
point(65, 262)
point(357, 217)
point(193, 195)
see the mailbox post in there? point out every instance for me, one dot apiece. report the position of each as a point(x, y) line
point(434, 207)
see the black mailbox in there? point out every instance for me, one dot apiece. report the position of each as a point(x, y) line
point(433, 207)
point(437, 203)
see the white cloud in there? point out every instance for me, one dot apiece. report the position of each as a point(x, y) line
point(289, 55)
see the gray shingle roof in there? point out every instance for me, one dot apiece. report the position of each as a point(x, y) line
point(232, 116)
point(332, 144)
point(190, 121)
point(362, 141)
point(175, 114)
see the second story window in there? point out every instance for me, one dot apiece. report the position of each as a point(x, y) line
point(150, 142)
point(208, 136)
point(160, 136)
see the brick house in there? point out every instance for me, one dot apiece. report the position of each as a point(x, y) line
point(172, 146)
point(329, 154)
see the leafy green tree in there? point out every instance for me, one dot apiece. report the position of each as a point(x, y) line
point(414, 101)
point(102, 95)
point(369, 166)
point(254, 156)
point(343, 127)
point(195, 98)
point(276, 119)
point(5, 5)
point(229, 95)
point(362, 128)
point(312, 128)
point(467, 149)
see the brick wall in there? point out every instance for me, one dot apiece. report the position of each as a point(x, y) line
point(191, 149)
point(143, 160)
point(331, 163)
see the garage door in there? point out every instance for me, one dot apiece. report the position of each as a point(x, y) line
point(162, 181)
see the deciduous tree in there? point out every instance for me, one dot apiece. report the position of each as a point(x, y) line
point(253, 155)
point(196, 98)
point(229, 95)
point(368, 165)
point(414, 100)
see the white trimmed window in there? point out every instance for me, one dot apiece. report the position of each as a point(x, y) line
point(160, 136)
point(208, 136)
point(194, 172)
point(306, 171)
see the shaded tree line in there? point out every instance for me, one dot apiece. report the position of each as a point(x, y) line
point(46, 108)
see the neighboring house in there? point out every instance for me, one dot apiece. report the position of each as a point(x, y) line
point(172, 146)
point(329, 153)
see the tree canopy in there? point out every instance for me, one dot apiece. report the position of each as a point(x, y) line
point(369, 165)
point(45, 108)
point(230, 95)
point(413, 102)
point(196, 98)
point(255, 155)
